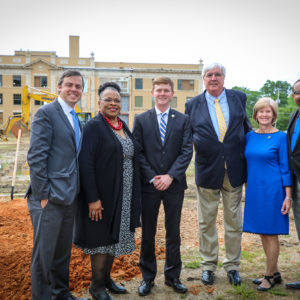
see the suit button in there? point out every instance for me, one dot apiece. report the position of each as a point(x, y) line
point(223, 156)
point(164, 152)
point(162, 165)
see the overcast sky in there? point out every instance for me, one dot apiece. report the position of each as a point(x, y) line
point(256, 40)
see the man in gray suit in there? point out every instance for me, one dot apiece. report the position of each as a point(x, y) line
point(54, 185)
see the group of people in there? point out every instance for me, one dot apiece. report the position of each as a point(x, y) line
point(94, 185)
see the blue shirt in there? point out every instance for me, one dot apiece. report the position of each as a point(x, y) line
point(212, 110)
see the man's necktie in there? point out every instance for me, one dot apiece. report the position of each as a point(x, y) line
point(295, 134)
point(163, 127)
point(76, 128)
point(221, 120)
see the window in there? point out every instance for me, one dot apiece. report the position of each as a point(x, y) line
point(0, 80)
point(17, 113)
point(40, 81)
point(124, 102)
point(17, 80)
point(138, 101)
point(124, 118)
point(185, 84)
point(37, 102)
point(139, 83)
point(17, 99)
point(1, 117)
point(1, 99)
point(173, 103)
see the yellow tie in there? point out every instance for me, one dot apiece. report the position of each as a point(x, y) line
point(221, 120)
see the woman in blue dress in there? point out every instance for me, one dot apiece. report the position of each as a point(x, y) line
point(268, 192)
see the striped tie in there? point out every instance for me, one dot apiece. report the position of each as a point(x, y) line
point(162, 127)
point(76, 127)
point(221, 120)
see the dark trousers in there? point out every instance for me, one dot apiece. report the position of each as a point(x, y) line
point(150, 207)
point(52, 243)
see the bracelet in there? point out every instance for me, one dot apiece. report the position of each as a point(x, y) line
point(289, 198)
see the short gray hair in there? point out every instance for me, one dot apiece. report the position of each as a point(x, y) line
point(212, 66)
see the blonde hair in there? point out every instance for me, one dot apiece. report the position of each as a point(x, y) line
point(262, 103)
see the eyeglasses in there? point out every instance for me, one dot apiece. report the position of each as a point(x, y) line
point(109, 100)
point(297, 92)
point(210, 75)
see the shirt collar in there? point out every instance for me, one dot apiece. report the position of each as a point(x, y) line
point(158, 112)
point(66, 107)
point(211, 98)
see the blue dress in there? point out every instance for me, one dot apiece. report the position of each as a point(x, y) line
point(267, 175)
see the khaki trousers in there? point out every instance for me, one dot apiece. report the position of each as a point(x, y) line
point(208, 202)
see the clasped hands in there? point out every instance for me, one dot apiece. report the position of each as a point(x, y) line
point(95, 210)
point(162, 182)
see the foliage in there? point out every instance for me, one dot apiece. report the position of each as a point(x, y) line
point(192, 264)
point(243, 291)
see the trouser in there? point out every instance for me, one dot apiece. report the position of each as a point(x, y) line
point(296, 204)
point(52, 243)
point(208, 202)
point(150, 207)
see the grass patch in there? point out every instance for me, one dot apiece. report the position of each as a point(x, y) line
point(243, 291)
point(192, 264)
point(249, 256)
point(278, 292)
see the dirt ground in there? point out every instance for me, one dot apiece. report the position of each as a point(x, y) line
point(16, 246)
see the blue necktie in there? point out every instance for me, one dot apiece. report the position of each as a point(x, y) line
point(76, 128)
point(163, 127)
point(295, 134)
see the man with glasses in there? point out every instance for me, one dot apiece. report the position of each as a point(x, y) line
point(219, 124)
point(294, 155)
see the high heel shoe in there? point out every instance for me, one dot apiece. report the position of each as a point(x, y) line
point(277, 279)
point(268, 278)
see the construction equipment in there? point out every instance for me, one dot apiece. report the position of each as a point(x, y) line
point(22, 120)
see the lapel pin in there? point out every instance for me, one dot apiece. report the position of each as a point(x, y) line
point(173, 116)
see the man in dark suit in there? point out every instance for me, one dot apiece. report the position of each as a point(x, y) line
point(164, 136)
point(52, 158)
point(219, 124)
point(294, 157)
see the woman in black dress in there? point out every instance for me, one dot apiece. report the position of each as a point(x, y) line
point(108, 206)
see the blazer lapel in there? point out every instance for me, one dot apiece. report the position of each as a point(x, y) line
point(154, 124)
point(171, 121)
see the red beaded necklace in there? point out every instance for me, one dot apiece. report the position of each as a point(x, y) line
point(118, 127)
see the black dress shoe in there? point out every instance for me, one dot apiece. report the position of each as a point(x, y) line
point(234, 277)
point(276, 279)
point(145, 287)
point(114, 288)
point(102, 295)
point(207, 277)
point(176, 284)
point(293, 285)
point(69, 296)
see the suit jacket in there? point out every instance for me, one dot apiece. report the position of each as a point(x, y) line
point(101, 176)
point(172, 157)
point(294, 156)
point(52, 156)
point(211, 154)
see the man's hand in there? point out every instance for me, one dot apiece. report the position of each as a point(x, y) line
point(44, 202)
point(95, 210)
point(162, 182)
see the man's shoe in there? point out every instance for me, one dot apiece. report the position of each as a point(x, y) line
point(145, 287)
point(234, 277)
point(293, 285)
point(102, 295)
point(207, 277)
point(114, 288)
point(69, 296)
point(176, 284)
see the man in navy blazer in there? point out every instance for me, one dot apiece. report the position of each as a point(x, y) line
point(164, 136)
point(219, 168)
point(54, 185)
point(294, 158)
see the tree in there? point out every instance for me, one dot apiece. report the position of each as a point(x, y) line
point(271, 88)
point(284, 113)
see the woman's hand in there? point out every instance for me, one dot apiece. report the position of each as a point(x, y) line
point(95, 210)
point(286, 205)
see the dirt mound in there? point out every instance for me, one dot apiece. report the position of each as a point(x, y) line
point(15, 254)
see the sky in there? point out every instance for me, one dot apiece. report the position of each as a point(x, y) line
point(255, 40)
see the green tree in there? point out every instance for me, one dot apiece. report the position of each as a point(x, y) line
point(284, 113)
point(271, 88)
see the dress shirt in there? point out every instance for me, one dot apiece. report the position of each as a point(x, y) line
point(212, 110)
point(159, 115)
point(67, 110)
